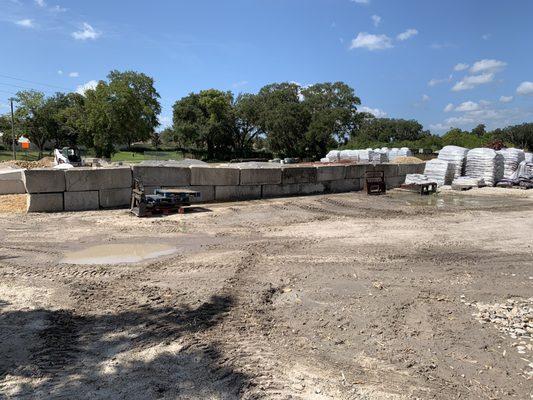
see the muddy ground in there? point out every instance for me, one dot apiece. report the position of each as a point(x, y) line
point(323, 297)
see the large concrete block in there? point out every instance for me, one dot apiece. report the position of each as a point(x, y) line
point(260, 176)
point(80, 201)
point(355, 171)
point(42, 180)
point(240, 192)
point(12, 187)
point(312, 188)
point(44, 202)
point(217, 176)
point(389, 169)
point(111, 198)
point(298, 175)
point(404, 169)
point(162, 176)
point(84, 179)
point(207, 193)
point(344, 185)
point(394, 181)
point(10, 174)
point(280, 190)
point(330, 172)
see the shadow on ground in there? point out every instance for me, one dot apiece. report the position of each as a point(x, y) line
point(139, 354)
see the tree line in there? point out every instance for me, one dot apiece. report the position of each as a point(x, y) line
point(282, 119)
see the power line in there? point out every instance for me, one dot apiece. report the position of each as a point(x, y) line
point(34, 82)
point(5, 91)
point(24, 87)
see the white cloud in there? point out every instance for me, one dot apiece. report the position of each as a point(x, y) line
point(449, 107)
point(506, 99)
point(525, 88)
point(460, 67)
point(88, 32)
point(467, 106)
point(425, 98)
point(361, 1)
point(40, 3)
point(26, 23)
point(74, 74)
point(435, 81)
point(376, 20)
point(374, 111)
point(439, 127)
point(486, 36)
point(470, 82)
point(81, 89)
point(371, 42)
point(58, 9)
point(59, 72)
point(487, 65)
point(409, 33)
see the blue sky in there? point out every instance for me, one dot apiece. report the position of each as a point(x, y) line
point(445, 63)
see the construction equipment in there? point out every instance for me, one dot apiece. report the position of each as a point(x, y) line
point(68, 155)
point(375, 182)
point(163, 201)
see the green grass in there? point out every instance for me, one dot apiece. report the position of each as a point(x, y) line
point(131, 157)
point(6, 155)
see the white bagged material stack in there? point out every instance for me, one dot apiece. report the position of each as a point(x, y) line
point(418, 179)
point(468, 181)
point(440, 171)
point(333, 156)
point(405, 152)
point(393, 153)
point(485, 163)
point(511, 158)
point(528, 157)
point(349, 155)
point(455, 155)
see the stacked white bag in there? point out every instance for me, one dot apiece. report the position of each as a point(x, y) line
point(440, 171)
point(485, 163)
point(511, 159)
point(528, 157)
point(393, 153)
point(455, 155)
point(405, 152)
point(333, 156)
point(349, 155)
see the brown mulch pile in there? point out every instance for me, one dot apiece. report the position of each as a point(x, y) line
point(13, 203)
point(407, 160)
point(44, 162)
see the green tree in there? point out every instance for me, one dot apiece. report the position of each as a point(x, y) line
point(479, 130)
point(167, 136)
point(205, 122)
point(35, 119)
point(520, 136)
point(246, 114)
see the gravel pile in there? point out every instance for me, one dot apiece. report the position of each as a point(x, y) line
point(514, 318)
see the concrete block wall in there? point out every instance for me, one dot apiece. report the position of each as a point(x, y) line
point(91, 189)
point(11, 181)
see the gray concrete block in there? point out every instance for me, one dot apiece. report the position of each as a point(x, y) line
point(42, 180)
point(80, 201)
point(298, 175)
point(10, 174)
point(389, 169)
point(394, 181)
point(84, 179)
point(404, 169)
point(240, 192)
point(207, 193)
point(162, 176)
point(260, 176)
point(110, 198)
point(312, 188)
point(344, 185)
point(280, 190)
point(355, 171)
point(330, 172)
point(217, 176)
point(12, 187)
point(44, 202)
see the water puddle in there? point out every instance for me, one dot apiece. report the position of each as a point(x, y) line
point(117, 253)
point(448, 200)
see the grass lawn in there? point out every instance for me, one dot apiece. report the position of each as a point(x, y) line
point(6, 155)
point(131, 157)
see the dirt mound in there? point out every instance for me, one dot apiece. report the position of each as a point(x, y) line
point(407, 160)
point(44, 162)
point(13, 203)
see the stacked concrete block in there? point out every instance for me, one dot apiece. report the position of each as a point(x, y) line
point(154, 176)
point(240, 192)
point(297, 174)
point(215, 176)
point(344, 185)
point(86, 186)
point(260, 176)
point(330, 173)
point(45, 189)
point(355, 171)
point(291, 189)
point(11, 181)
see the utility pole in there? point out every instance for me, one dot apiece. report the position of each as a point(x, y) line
point(13, 130)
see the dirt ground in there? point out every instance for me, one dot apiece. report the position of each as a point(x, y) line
point(322, 297)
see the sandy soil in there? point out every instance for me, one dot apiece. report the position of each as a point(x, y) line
point(324, 297)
